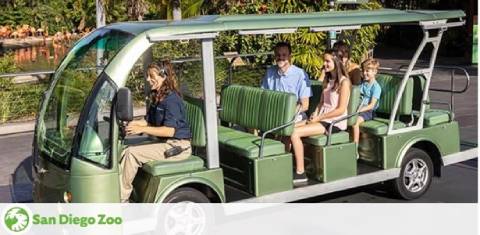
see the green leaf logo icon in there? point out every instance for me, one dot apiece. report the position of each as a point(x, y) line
point(17, 219)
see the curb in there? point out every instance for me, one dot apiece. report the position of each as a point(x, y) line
point(16, 128)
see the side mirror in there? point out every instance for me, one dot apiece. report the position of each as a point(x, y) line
point(124, 105)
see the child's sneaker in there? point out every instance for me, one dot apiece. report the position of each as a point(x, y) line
point(299, 179)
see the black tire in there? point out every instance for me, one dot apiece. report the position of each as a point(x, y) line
point(186, 194)
point(414, 184)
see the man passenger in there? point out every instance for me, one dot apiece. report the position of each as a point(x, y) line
point(287, 77)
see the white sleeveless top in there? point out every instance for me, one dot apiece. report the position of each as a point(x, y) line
point(331, 100)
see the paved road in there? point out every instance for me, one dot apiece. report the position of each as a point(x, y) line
point(458, 184)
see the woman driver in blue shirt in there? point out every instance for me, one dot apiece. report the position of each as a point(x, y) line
point(165, 120)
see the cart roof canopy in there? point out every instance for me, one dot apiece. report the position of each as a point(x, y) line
point(216, 23)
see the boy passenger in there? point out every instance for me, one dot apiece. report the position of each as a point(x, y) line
point(370, 91)
point(287, 77)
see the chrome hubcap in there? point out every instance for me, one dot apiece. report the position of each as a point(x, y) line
point(185, 218)
point(415, 175)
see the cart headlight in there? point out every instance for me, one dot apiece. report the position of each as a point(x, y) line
point(67, 197)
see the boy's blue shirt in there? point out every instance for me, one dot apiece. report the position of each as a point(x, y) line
point(370, 90)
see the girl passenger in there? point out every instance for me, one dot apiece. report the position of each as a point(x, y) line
point(333, 105)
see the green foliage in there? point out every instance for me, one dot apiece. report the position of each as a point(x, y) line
point(307, 46)
point(19, 101)
point(163, 9)
point(364, 39)
point(59, 15)
point(7, 64)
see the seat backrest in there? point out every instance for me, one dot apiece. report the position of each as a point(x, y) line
point(390, 85)
point(316, 87)
point(194, 115)
point(353, 104)
point(257, 108)
point(418, 88)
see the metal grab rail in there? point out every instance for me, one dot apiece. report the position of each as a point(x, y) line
point(330, 128)
point(453, 69)
point(452, 90)
point(264, 135)
point(467, 76)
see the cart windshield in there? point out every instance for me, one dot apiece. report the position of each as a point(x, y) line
point(72, 84)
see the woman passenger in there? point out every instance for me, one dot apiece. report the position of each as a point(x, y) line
point(342, 51)
point(165, 120)
point(333, 105)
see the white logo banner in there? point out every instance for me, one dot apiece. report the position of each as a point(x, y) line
point(239, 218)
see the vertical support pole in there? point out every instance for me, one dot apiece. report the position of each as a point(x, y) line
point(433, 57)
point(210, 103)
point(405, 80)
point(100, 11)
point(435, 40)
point(332, 35)
point(147, 60)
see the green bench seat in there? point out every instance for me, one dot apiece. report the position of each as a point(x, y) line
point(247, 145)
point(255, 108)
point(390, 85)
point(434, 117)
point(250, 146)
point(321, 140)
point(166, 167)
point(225, 134)
point(379, 126)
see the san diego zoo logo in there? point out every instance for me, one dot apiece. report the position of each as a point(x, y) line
point(17, 219)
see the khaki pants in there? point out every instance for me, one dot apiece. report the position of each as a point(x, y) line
point(134, 157)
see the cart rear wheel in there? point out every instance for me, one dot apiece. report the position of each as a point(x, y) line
point(415, 175)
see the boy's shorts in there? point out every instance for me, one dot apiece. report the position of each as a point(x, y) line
point(368, 115)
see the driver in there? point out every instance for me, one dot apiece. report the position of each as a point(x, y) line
point(165, 120)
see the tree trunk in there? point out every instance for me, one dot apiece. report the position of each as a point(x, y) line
point(135, 9)
point(177, 11)
point(100, 13)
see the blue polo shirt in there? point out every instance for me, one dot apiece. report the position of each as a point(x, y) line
point(170, 112)
point(368, 91)
point(294, 81)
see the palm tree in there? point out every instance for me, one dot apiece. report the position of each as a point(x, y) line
point(176, 9)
